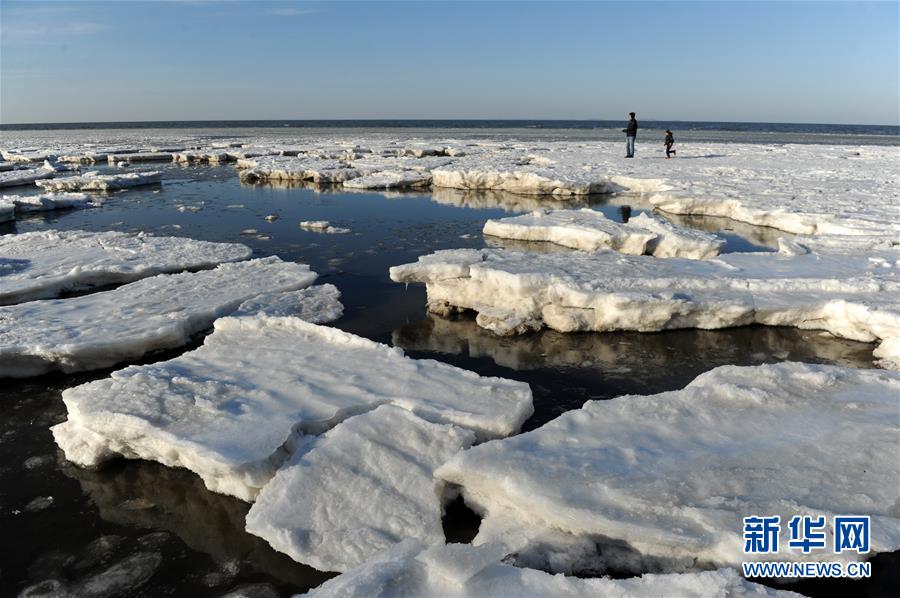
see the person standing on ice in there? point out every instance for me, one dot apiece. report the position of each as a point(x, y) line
point(670, 141)
point(630, 135)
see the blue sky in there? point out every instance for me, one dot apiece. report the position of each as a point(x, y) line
point(831, 62)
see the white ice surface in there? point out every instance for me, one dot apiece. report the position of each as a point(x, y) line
point(101, 182)
point(43, 264)
point(114, 158)
point(317, 304)
point(462, 570)
point(323, 226)
point(390, 179)
point(669, 477)
point(288, 168)
point(161, 312)
point(362, 487)
point(18, 178)
point(233, 410)
point(584, 229)
point(48, 201)
point(677, 241)
point(855, 296)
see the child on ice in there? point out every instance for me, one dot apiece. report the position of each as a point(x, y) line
point(670, 141)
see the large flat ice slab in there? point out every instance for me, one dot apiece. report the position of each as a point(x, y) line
point(48, 201)
point(101, 182)
point(162, 312)
point(19, 178)
point(523, 174)
point(362, 487)
point(43, 264)
point(318, 304)
point(233, 410)
point(589, 230)
point(851, 296)
point(462, 570)
point(287, 168)
point(670, 476)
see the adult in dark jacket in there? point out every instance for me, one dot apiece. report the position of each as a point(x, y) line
point(630, 135)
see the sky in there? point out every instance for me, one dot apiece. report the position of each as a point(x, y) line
point(804, 62)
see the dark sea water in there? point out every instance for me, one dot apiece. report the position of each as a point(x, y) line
point(718, 132)
point(66, 525)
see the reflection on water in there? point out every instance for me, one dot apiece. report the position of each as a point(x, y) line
point(510, 202)
point(156, 497)
point(566, 369)
point(759, 235)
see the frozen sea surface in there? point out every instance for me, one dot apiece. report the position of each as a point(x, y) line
point(200, 534)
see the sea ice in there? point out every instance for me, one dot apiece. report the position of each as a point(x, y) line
point(584, 229)
point(668, 477)
point(7, 210)
point(523, 174)
point(233, 410)
point(677, 241)
point(462, 570)
point(390, 179)
point(850, 296)
point(286, 168)
point(92, 181)
point(47, 201)
point(162, 312)
point(203, 156)
point(43, 264)
point(318, 304)
point(140, 157)
point(363, 486)
point(18, 178)
point(323, 226)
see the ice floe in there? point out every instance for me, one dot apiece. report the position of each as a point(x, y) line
point(161, 312)
point(412, 569)
point(92, 181)
point(323, 226)
point(43, 264)
point(234, 409)
point(390, 179)
point(47, 201)
point(364, 486)
point(318, 304)
point(114, 158)
point(523, 174)
point(851, 296)
point(286, 168)
point(664, 481)
point(19, 178)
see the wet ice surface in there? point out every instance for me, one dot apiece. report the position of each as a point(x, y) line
point(200, 535)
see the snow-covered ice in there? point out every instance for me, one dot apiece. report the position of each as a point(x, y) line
point(233, 410)
point(101, 182)
point(114, 158)
point(287, 168)
point(852, 296)
point(161, 312)
point(667, 478)
point(461, 570)
point(523, 174)
point(362, 487)
point(584, 229)
point(323, 226)
point(317, 304)
point(43, 264)
point(673, 240)
point(47, 201)
point(390, 179)
point(19, 178)
point(215, 156)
